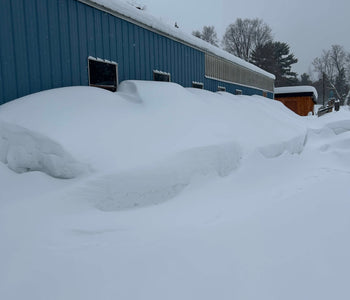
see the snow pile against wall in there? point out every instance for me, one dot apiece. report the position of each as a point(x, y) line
point(172, 134)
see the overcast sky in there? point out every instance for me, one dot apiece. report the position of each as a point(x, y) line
point(308, 26)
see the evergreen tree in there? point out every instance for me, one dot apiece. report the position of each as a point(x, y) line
point(275, 58)
point(305, 79)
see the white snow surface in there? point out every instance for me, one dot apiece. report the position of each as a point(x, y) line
point(131, 12)
point(162, 192)
point(296, 89)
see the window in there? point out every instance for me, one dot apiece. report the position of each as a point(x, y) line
point(221, 89)
point(239, 92)
point(225, 70)
point(197, 85)
point(103, 74)
point(161, 76)
point(264, 94)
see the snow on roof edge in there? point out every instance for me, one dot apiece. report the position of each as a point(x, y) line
point(129, 12)
point(296, 89)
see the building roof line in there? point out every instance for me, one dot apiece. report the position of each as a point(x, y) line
point(143, 19)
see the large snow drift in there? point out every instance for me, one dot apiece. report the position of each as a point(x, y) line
point(159, 130)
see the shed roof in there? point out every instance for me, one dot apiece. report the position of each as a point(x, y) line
point(297, 90)
point(140, 17)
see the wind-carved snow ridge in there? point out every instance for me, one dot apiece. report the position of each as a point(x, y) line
point(292, 146)
point(128, 90)
point(161, 182)
point(297, 144)
point(24, 150)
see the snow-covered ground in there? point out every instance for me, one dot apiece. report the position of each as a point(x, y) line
point(161, 192)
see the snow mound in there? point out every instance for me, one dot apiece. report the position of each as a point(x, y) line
point(24, 150)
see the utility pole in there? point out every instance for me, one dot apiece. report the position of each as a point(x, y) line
point(323, 87)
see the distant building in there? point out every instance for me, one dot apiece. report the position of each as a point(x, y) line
point(58, 43)
point(300, 99)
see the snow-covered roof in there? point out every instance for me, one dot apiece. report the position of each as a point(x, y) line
point(296, 90)
point(135, 15)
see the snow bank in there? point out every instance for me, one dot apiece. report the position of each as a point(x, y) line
point(172, 134)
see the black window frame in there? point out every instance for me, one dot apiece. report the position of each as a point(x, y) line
point(161, 76)
point(94, 64)
point(221, 88)
point(198, 85)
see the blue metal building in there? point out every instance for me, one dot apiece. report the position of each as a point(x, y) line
point(47, 44)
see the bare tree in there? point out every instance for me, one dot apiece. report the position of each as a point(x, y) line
point(347, 98)
point(208, 34)
point(333, 66)
point(197, 34)
point(244, 36)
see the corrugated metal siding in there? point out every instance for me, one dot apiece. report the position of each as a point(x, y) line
point(212, 85)
point(221, 69)
point(45, 44)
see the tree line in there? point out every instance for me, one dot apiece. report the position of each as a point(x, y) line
point(252, 41)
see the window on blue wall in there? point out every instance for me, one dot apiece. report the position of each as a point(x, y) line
point(221, 89)
point(161, 76)
point(197, 85)
point(239, 92)
point(264, 94)
point(103, 74)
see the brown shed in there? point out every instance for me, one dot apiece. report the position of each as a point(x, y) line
point(300, 99)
